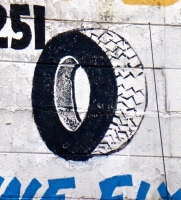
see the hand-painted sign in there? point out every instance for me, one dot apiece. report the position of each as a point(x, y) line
point(116, 91)
point(78, 101)
point(107, 188)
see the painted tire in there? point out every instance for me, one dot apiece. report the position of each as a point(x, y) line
point(131, 90)
point(79, 144)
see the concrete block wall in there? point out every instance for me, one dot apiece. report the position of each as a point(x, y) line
point(60, 138)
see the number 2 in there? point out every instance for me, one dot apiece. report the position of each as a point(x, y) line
point(3, 17)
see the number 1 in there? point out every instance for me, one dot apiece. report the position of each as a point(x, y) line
point(39, 21)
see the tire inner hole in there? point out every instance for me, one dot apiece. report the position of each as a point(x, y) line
point(71, 93)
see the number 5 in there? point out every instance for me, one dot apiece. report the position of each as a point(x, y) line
point(19, 26)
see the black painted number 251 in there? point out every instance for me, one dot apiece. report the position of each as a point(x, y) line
point(17, 25)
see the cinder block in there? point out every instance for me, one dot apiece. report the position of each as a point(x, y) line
point(172, 46)
point(172, 14)
point(173, 83)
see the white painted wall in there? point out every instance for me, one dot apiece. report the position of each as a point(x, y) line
point(25, 156)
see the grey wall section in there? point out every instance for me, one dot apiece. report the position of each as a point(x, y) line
point(78, 107)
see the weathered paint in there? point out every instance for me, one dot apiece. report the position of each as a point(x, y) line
point(110, 54)
point(150, 2)
point(107, 187)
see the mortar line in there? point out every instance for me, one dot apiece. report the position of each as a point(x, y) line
point(30, 62)
point(106, 155)
point(101, 22)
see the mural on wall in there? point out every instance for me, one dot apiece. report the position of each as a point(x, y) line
point(107, 187)
point(89, 93)
point(83, 95)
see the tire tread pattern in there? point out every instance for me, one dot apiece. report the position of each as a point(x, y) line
point(132, 91)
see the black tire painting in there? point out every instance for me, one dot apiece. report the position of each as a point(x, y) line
point(89, 93)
